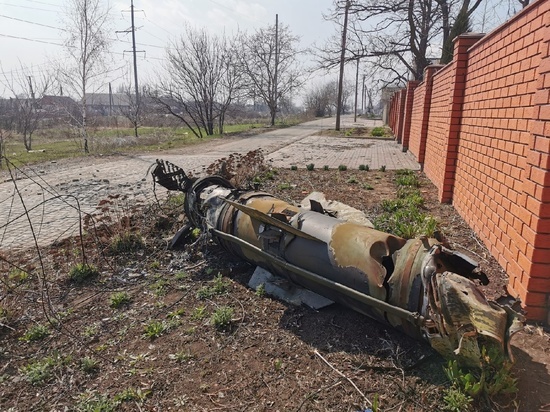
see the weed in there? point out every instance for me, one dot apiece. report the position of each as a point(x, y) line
point(367, 186)
point(310, 166)
point(131, 394)
point(278, 364)
point(82, 272)
point(126, 242)
point(195, 233)
point(41, 371)
point(89, 365)
point(154, 329)
point(18, 276)
point(89, 402)
point(90, 331)
point(221, 318)
point(493, 378)
point(260, 290)
point(199, 313)
point(35, 333)
point(325, 167)
point(284, 186)
point(342, 168)
point(366, 168)
point(407, 179)
point(383, 168)
point(178, 313)
point(352, 180)
point(119, 299)
point(175, 201)
point(293, 167)
point(181, 356)
point(160, 287)
point(181, 275)
point(457, 401)
point(155, 265)
point(219, 286)
point(378, 131)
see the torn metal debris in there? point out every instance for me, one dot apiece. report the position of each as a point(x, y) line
point(418, 286)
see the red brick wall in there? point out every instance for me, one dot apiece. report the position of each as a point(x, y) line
point(488, 146)
point(438, 126)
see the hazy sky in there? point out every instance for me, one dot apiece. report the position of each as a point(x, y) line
point(31, 31)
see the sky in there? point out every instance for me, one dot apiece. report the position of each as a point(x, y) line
point(31, 31)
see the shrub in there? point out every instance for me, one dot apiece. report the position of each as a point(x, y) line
point(126, 242)
point(82, 272)
point(342, 168)
point(310, 166)
point(378, 131)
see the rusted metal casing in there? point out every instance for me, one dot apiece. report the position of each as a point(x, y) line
point(417, 286)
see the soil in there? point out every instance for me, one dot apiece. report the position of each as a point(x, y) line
point(271, 356)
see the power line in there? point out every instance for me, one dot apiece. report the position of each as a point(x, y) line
point(28, 39)
point(42, 2)
point(32, 22)
point(28, 7)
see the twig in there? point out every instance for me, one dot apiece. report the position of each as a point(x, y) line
point(343, 376)
point(311, 395)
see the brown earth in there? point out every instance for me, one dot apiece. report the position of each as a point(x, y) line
point(271, 357)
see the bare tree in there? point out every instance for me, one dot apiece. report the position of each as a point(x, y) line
point(397, 35)
point(86, 24)
point(202, 81)
point(269, 59)
point(321, 100)
point(26, 91)
point(134, 108)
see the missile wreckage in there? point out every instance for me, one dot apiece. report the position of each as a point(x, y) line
point(418, 286)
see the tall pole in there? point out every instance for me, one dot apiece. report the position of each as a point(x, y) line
point(135, 64)
point(276, 69)
point(363, 96)
point(356, 90)
point(342, 57)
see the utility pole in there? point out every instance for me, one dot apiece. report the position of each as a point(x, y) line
point(342, 57)
point(275, 97)
point(363, 95)
point(134, 53)
point(356, 90)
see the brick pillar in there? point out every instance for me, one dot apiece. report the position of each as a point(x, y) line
point(407, 113)
point(400, 115)
point(460, 61)
point(428, 80)
point(530, 277)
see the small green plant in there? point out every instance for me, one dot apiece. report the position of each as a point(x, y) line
point(365, 168)
point(18, 276)
point(260, 290)
point(407, 178)
point(325, 167)
point(82, 272)
point(457, 401)
point(293, 167)
point(89, 365)
point(349, 132)
point(35, 333)
point(160, 287)
point(342, 168)
point(181, 275)
point(378, 131)
point(383, 168)
point(181, 356)
point(155, 265)
point(40, 371)
point(195, 233)
point(178, 313)
point(352, 180)
point(126, 242)
point(310, 166)
point(219, 286)
point(154, 329)
point(131, 394)
point(278, 364)
point(199, 313)
point(90, 331)
point(119, 299)
point(90, 402)
point(367, 186)
point(222, 317)
point(284, 186)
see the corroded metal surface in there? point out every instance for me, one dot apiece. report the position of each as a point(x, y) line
point(418, 286)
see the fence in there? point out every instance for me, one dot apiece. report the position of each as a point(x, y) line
point(480, 127)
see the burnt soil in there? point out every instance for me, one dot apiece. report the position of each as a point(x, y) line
point(270, 357)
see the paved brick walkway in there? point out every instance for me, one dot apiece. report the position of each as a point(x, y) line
point(57, 195)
